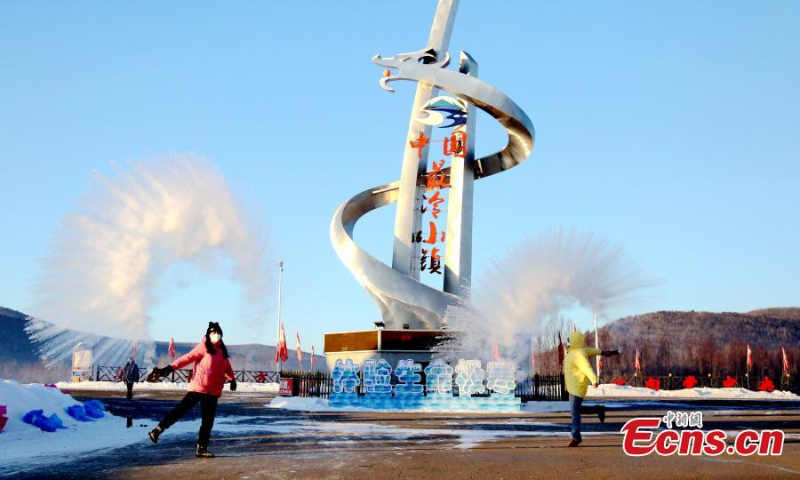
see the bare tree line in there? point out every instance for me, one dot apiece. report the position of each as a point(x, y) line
point(680, 349)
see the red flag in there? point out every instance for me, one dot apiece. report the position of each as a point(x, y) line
point(533, 358)
point(560, 350)
point(313, 361)
point(135, 347)
point(599, 364)
point(299, 351)
point(749, 358)
point(638, 362)
point(785, 360)
point(281, 352)
point(495, 351)
point(172, 348)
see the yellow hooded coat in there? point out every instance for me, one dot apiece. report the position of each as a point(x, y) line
point(578, 373)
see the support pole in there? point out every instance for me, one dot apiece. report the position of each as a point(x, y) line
point(458, 245)
point(409, 199)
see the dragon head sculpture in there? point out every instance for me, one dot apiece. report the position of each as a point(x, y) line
point(403, 62)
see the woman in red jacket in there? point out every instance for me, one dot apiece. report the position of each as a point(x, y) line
point(211, 369)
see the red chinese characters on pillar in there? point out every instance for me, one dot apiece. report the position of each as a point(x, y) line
point(432, 235)
point(435, 200)
point(455, 144)
point(419, 143)
point(436, 177)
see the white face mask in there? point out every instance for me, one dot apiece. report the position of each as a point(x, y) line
point(215, 337)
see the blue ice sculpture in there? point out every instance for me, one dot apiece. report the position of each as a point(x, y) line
point(377, 377)
point(408, 378)
point(439, 377)
point(345, 377)
point(469, 377)
point(501, 377)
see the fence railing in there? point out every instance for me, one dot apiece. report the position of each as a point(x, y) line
point(114, 374)
point(676, 382)
point(542, 388)
point(538, 387)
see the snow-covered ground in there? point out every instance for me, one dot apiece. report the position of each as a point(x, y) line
point(162, 387)
point(26, 445)
point(611, 390)
point(21, 440)
point(23, 446)
point(605, 390)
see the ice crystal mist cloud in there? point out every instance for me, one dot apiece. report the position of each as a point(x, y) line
point(107, 256)
point(537, 279)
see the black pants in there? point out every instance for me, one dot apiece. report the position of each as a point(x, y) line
point(208, 404)
point(130, 390)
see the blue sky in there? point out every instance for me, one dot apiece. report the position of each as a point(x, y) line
point(670, 127)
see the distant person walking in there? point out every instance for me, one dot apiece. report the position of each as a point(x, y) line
point(211, 369)
point(130, 375)
point(578, 374)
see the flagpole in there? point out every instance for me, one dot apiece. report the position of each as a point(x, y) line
point(596, 341)
point(280, 281)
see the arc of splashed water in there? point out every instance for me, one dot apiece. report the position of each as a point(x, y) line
point(392, 291)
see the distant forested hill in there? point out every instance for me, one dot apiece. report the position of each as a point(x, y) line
point(702, 342)
point(694, 343)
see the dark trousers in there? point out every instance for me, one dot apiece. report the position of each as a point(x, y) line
point(130, 390)
point(576, 408)
point(208, 404)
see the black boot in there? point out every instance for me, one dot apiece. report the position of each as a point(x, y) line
point(154, 433)
point(202, 452)
point(602, 414)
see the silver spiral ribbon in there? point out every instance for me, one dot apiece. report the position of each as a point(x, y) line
point(398, 295)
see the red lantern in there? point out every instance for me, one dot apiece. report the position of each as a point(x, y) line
point(766, 385)
point(653, 384)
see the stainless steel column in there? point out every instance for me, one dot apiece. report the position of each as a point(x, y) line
point(409, 216)
point(458, 243)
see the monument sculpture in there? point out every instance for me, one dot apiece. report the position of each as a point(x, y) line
point(405, 302)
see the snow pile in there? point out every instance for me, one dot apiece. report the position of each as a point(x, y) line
point(28, 446)
point(612, 390)
point(161, 387)
point(306, 404)
point(21, 399)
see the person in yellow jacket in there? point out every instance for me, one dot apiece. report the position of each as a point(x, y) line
point(578, 374)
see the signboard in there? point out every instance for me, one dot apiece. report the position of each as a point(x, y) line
point(81, 365)
point(287, 387)
point(82, 360)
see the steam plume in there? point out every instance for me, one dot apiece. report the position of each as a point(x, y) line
point(538, 279)
point(108, 255)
